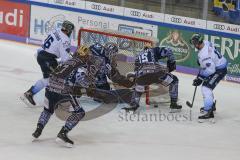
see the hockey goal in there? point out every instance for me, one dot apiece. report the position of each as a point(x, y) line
point(129, 45)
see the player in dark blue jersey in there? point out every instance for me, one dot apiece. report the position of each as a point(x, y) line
point(148, 70)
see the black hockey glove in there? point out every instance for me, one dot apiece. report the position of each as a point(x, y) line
point(197, 81)
point(171, 65)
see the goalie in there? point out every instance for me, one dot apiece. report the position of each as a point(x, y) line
point(74, 78)
point(148, 71)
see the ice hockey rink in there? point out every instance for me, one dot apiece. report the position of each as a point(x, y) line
point(111, 136)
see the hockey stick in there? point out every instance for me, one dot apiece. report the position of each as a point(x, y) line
point(191, 104)
point(195, 90)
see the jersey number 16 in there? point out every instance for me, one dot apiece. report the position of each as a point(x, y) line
point(47, 42)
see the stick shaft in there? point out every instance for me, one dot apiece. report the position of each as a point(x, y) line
point(194, 95)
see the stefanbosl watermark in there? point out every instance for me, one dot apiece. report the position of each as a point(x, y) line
point(155, 117)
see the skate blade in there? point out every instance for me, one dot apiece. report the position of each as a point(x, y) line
point(129, 110)
point(34, 139)
point(62, 143)
point(174, 110)
point(25, 101)
point(211, 120)
point(202, 112)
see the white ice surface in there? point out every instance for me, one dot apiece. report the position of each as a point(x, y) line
point(109, 137)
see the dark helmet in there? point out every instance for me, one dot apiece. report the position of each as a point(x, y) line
point(68, 27)
point(196, 39)
point(111, 50)
point(97, 49)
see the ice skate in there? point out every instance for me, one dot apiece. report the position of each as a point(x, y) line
point(27, 98)
point(63, 139)
point(213, 108)
point(37, 132)
point(131, 109)
point(207, 116)
point(174, 107)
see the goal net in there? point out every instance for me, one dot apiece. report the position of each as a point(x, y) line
point(129, 45)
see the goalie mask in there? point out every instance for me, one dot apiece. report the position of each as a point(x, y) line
point(83, 52)
point(68, 27)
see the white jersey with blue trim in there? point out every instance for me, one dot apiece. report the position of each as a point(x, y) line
point(58, 43)
point(210, 60)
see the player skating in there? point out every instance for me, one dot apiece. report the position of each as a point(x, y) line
point(213, 68)
point(75, 77)
point(148, 70)
point(56, 46)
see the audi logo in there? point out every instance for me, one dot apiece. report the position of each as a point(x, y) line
point(96, 7)
point(135, 13)
point(219, 26)
point(176, 20)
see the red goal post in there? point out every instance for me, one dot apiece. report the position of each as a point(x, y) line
point(129, 45)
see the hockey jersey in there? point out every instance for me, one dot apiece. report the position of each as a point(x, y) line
point(153, 55)
point(210, 60)
point(57, 43)
point(99, 54)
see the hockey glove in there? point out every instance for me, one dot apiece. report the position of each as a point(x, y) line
point(197, 81)
point(131, 76)
point(171, 65)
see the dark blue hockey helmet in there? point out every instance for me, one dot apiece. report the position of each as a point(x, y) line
point(196, 39)
point(97, 49)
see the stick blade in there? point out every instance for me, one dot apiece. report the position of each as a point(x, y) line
point(189, 104)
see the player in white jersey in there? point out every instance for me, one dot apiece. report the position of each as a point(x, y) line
point(213, 68)
point(56, 46)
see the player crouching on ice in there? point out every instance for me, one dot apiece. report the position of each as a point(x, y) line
point(213, 68)
point(148, 70)
point(69, 80)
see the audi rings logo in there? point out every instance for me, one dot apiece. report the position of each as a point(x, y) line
point(176, 20)
point(219, 26)
point(96, 7)
point(135, 13)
